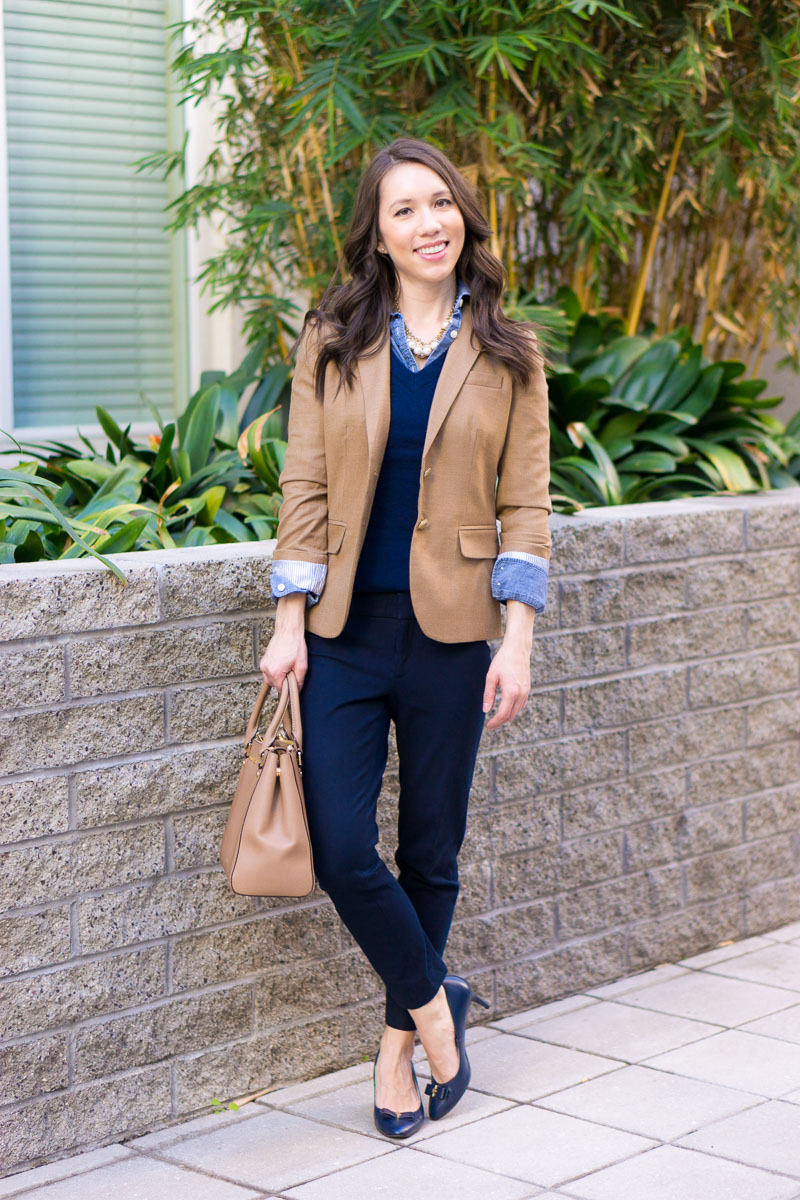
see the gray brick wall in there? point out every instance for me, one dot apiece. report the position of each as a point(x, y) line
point(646, 805)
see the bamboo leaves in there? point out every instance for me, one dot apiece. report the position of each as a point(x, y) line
point(615, 142)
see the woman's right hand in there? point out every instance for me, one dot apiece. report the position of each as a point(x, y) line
point(286, 650)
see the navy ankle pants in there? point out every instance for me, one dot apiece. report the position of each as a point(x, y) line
point(382, 668)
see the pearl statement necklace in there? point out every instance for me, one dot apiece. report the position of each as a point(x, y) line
point(425, 349)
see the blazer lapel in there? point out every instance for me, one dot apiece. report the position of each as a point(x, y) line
point(457, 363)
point(374, 379)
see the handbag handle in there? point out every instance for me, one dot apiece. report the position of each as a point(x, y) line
point(286, 713)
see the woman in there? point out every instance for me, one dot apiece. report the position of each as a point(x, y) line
point(418, 420)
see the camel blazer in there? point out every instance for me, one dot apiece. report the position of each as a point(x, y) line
point(486, 460)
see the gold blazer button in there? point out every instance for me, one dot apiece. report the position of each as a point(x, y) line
point(423, 524)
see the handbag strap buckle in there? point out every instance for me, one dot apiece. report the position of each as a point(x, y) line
point(281, 743)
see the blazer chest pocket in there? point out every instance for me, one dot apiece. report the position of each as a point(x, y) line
point(484, 379)
point(478, 541)
point(336, 532)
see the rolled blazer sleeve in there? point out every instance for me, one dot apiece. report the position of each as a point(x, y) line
point(303, 521)
point(523, 502)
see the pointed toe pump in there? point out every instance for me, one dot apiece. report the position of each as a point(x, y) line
point(445, 1096)
point(397, 1124)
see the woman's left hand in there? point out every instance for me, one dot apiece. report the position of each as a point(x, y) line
point(510, 669)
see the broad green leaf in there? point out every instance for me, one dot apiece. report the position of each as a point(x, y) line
point(611, 485)
point(266, 395)
point(648, 460)
point(616, 360)
point(228, 428)
point(23, 512)
point(124, 539)
point(618, 447)
point(162, 457)
point(647, 376)
point(681, 379)
point(620, 426)
point(729, 465)
point(95, 469)
point(199, 436)
point(211, 502)
point(667, 441)
point(111, 429)
point(236, 528)
point(198, 535)
point(125, 478)
point(26, 536)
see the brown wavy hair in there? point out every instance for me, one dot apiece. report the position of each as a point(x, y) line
point(353, 317)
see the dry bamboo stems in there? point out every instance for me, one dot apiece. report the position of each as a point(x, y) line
point(301, 229)
point(315, 146)
point(641, 282)
point(492, 160)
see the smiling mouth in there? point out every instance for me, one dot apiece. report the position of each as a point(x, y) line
point(434, 248)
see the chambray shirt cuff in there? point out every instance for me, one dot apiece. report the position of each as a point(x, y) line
point(518, 576)
point(289, 575)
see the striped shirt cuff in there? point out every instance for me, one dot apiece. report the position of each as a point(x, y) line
point(291, 575)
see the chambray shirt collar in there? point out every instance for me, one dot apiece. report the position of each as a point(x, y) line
point(399, 341)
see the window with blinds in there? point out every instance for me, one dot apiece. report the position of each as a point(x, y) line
point(96, 283)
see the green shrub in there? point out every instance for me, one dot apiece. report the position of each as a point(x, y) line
point(631, 418)
point(651, 418)
point(211, 476)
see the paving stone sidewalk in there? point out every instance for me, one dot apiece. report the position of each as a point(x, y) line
point(680, 1083)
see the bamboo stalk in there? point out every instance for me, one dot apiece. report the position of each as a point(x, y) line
point(301, 229)
point(580, 277)
point(305, 181)
point(511, 228)
point(641, 283)
point(709, 286)
point(707, 237)
point(493, 162)
point(315, 146)
point(667, 289)
point(764, 331)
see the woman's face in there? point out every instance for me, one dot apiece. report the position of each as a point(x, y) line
point(420, 226)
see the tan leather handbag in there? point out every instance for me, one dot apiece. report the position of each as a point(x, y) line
point(266, 849)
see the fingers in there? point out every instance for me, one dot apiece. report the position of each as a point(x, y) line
point(512, 701)
point(275, 672)
point(300, 667)
point(273, 680)
point(490, 690)
point(281, 656)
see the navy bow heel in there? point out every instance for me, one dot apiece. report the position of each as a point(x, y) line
point(445, 1096)
point(397, 1124)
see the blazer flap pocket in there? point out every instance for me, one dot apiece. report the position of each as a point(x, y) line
point(336, 532)
point(478, 541)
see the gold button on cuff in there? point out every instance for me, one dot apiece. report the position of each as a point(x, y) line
point(423, 524)
point(426, 473)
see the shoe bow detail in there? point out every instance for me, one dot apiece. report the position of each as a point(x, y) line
point(437, 1089)
point(408, 1116)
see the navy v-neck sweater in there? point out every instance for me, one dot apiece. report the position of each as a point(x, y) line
point(383, 565)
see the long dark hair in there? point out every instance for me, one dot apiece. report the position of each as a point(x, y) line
point(353, 317)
